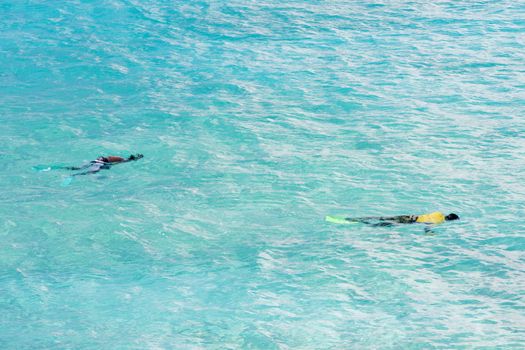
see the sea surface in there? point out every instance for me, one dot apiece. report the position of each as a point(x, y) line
point(256, 119)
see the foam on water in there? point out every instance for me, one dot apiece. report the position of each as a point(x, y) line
point(256, 120)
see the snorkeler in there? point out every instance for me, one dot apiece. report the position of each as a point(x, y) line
point(431, 218)
point(103, 163)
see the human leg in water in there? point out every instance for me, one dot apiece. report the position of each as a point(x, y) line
point(93, 166)
point(384, 221)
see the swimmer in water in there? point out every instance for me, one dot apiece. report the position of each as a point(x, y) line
point(103, 163)
point(434, 218)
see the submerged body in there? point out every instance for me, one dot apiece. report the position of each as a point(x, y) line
point(103, 163)
point(430, 219)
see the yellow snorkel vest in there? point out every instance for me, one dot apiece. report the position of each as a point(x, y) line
point(432, 218)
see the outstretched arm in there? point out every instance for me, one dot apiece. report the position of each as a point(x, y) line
point(429, 229)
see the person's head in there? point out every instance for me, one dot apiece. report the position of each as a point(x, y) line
point(451, 217)
point(135, 156)
point(103, 159)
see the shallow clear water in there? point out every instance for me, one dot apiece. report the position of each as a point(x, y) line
point(256, 120)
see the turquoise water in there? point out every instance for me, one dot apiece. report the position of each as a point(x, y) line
point(256, 120)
